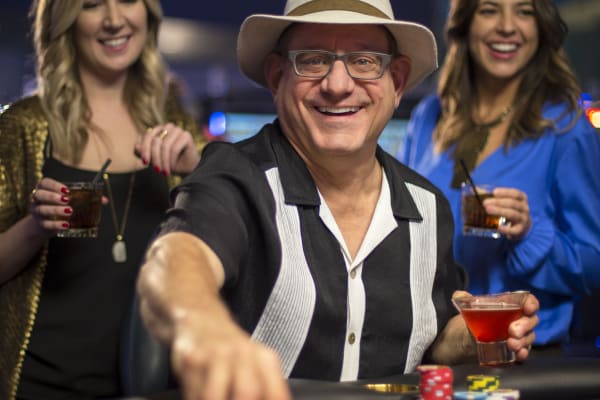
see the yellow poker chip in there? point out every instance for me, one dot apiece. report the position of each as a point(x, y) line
point(482, 383)
point(483, 379)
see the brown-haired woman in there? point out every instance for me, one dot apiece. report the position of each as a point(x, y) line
point(507, 106)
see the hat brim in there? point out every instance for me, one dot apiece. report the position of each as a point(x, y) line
point(259, 34)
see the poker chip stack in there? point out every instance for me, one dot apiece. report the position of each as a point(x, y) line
point(436, 382)
point(482, 383)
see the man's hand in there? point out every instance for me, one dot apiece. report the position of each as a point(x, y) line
point(220, 361)
point(520, 332)
point(521, 335)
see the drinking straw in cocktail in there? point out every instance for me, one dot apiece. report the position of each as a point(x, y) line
point(471, 183)
point(99, 174)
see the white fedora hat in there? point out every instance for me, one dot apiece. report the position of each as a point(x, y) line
point(260, 33)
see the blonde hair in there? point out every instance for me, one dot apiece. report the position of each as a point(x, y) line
point(59, 87)
point(547, 78)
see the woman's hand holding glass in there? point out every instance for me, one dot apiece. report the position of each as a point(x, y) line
point(513, 205)
point(170, 149)
point(49, 206)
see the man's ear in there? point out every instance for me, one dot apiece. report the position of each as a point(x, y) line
point(400, 69)
point(273, 70)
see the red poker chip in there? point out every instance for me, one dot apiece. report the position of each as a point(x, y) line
point(432, 374)
point(436, 382)
point(433, 368)
point(436, 389)
point(439, 392)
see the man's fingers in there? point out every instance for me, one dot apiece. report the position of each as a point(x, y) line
point(218, 381)
point(275, 387)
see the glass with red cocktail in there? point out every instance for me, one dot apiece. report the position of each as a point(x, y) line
point(488, 317)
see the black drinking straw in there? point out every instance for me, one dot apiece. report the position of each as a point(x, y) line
point(462, 163)
point(99, 174)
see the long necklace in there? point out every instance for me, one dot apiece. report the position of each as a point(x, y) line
point(119, 249)
point(482, 132)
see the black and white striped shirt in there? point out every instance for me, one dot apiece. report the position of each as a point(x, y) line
point(289, 279)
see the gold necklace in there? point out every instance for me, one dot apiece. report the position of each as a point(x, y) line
point(483, 130)
point(119, 249)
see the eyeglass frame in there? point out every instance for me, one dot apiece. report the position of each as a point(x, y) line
point(386, 59)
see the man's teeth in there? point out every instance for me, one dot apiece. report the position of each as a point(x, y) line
point(504, 47)
point(115, 42)
point(341, 110)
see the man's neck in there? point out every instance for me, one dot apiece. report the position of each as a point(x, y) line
point(351, 194)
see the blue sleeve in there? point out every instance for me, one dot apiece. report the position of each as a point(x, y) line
point(419, 130)
point(562, 254)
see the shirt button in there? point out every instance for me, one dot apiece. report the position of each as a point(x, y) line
point(351, 338)
point(353, 274)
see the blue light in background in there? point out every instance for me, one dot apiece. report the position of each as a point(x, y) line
point(217, 123)
point(585, 100)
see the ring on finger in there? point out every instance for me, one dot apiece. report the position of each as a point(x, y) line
point(32, 196)
point(163, 134)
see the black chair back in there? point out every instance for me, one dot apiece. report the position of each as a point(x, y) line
point(145, 362)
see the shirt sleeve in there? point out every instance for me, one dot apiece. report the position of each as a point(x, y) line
point(218, 203)
point(562, 254)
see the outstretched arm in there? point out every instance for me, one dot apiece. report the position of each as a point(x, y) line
point(212, 356)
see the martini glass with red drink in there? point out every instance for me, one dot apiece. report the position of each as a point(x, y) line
point(488, 316)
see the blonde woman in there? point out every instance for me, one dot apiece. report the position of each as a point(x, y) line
point(102, 93)
point(507, 106)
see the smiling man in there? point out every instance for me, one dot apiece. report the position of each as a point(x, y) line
point(306, 251)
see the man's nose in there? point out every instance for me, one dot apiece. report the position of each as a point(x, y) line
point(338, 80)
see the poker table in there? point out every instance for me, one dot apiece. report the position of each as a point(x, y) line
point(539, 378)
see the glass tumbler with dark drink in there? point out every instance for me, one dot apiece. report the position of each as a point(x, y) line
point(488, 317)
point(85, 198)
point(476, 221)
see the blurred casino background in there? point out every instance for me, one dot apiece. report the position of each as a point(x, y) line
point(198, 42)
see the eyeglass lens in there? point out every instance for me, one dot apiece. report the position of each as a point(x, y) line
point(318, 63)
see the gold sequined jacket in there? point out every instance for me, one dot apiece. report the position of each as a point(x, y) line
point(23, 134)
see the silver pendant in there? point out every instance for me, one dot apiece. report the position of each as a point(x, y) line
point(119, 251)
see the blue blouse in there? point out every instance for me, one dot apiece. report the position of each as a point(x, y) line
point(559, 259)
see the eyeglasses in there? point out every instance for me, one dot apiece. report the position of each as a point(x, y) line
point(359, 64)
